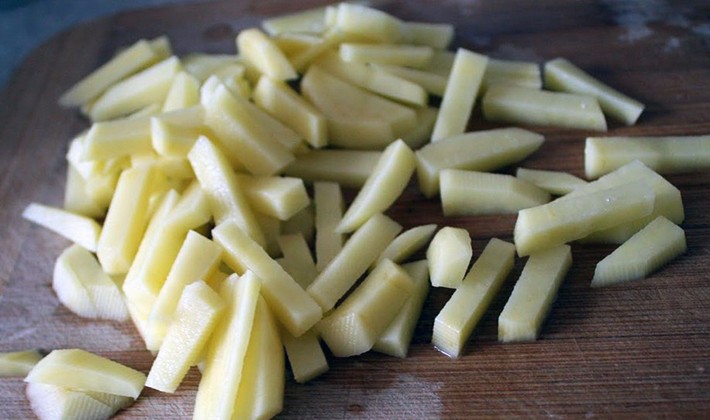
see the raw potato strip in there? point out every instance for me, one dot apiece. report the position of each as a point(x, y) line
point(196, 315)
point(523, 105)
point(292, 43)
point(475, 151)
point(174, 133)
point(458, 318)
point(421, 134)
point(349, 168)
point(184, 92)
point(645, 252)
point(433, 83)
point(292, 110)
point(399, 55)
point(18, 363)
point(294, 308)
point(363, 247)
point(202, 66)
point(123, 64)
point(126, 220)
point(298, 258)
point(271, 227)
point(449, 255)
point(258, 49)
point(369, 23)
point(311, 20)
point(519, 73)
point(261, 389)
point(554, 182)
point(395, 340)
point(566, 220)
point(331, 39)
point(328, 205)
point(226, 350)
point(305, 355)
point(387, 181)
point(291, 140)
point(279, 197)
point(407, 243)
point(52, 402)
point(224, 192)
point(197, 259)
point(75, 368)
point(77, 198)
point(77, 228)
point(69, 289)
point(533, 294)
point(481, 193)
point(243, 139)
point(140, 90)
point(118, 138)
point(435, 35)
point(665, 155)
point(302, 222)
point(562, 75)
point(461, 91)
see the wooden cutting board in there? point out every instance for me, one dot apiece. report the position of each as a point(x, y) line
point(638, 349)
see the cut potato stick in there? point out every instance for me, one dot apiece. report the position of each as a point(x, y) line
point(271, 227)
point(310, 20)
point(460, 94)
point(18, 363)
point(645, 252)
point(435, 35)
point(386, 182)
point(174, 133)
point(420, 135)
point(369, 23)
point(363, 247)
point(458, 318)
point(533, 294)
point(407, 243)
point(481, 193)
point(433, 83)
point(328, 205)
point(665, 155)
point(257, 48)
point(519, 73)
point(196, 315)
point(77, 198)
point(227, 348)
point(560, 74)
point(476, 151)
point(184, 92)
point(355, 325)
point(554, 182)
point(565, 220)
point(293, 43)
point(79, 369)
point(202, 66)
point(449, 255)
point(77, 228)
point(416, 56)
point(294, 308)
point(349, 168)
point(395, 340)
point(298, 258)
point(302, 222)
point(305, 355)
point(50, 402)
point(523, 105)
point(279, 197)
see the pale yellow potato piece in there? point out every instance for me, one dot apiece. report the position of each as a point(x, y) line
point(79, 229)
point(645, 252)
point(233, 76)
point(175, 169)
point(476, 151)
point(77, 198)
point(271, 227)
point(482, 193)
point(357, 119)
point(458, 318)
point(226, 197)
point(449, 255)
point(395, 340)
point(361, 250)
point(292, 43)
point(279, 197)
point(257, 48)
point(294, 308)
point(70, 290)
point(369, 23)
point(302, 222)
point(554, 182)
point(407, 243)
point(665, 155)
point(305, 355)
point(349, 168)
point(242, 138)
point(331, 39)
point(227, 348)
point(460, 94)
point(560, 74)
point(184, 92)
point(385, 184)
point(420, 135)
point(290, 139)
point(524, 105)
point(125, 63)
point(261, 390)
point(126, 220)
point(329, 206)
point(52, 402)
point(565, 220)
point(18, 363)
point(374, 80)
point(519, 73)
point(197, 259)
point(114, 139)
point(433, 83)
point(142, 89)
point(292, 110)
point(298, 259)
point(310, 20)
point(161, 45)
point(435, 35)
point(174, 133)
point(533, 294)
point(202, 66)
point(196, 315)
point(79, 369)
point(354, 326)
point(417, 56)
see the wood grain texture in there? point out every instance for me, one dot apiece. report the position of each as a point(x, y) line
point(638, 349)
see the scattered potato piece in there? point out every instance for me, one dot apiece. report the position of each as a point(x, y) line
point(554, 182)
point(407, 243)
point(52, 402)
point(349, 168)
point(519, 73)
point(299, 261)
point(302, 222)
point(18, 363)
point(305, 355)
point(184, 92)
point(433, 83)
point(370, 24)
point(174, 133)
point(449, 255)
point(328, 205)
point(77, 196)
point(77, 228)
point(416, 56)
point(310, 20)
point(279, 197)
point(260, 51)
point(118, 138)
point(202, 66)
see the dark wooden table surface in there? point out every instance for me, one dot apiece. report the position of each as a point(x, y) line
point(637, 349)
